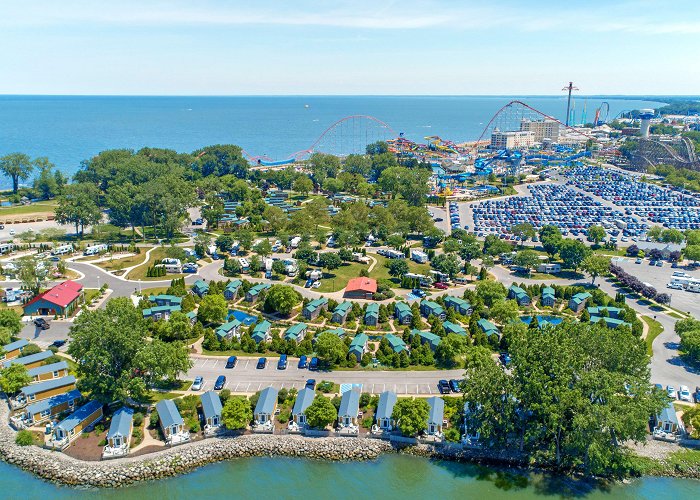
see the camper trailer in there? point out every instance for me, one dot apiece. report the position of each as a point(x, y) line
point(62, 250)
point(95, 249)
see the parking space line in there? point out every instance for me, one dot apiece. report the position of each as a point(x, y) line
point(247, 388)
point(246, 362)
point(282, 387)
point(236, 389)
point(259, 385)
point(372, 388)
point(429, 390)
point(406, 388)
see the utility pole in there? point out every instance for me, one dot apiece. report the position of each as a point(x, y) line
point(570, 88)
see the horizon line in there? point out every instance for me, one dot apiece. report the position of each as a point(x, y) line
point(351, 95)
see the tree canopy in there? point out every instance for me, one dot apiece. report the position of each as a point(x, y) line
point(321, 412)
point(411, 415)
point(236, 413)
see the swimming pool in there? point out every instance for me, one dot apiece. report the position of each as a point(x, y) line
point(244, 318)
point(552, 320)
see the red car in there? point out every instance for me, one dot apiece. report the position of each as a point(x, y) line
point(440, 286)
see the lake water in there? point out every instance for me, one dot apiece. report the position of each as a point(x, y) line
point(393, 476)
point(71, 129)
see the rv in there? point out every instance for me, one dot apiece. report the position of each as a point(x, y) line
point(268, 268)
point(294, 242)
point(6, 247)
point(443, 277)
point(390, 253)
point(211, 249)
point(62, 250)
point(172, 265)
point(290, 267)
point(694, 286)
point(95, 249)
point(422, 279)
point(245, 265)
point(418, 256)
point(358, 257)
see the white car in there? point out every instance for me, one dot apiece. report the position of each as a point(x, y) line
point(197, 384)
point(316, 284)
point(675, 286)
point(671, 392)
point(684, 394)
point(12, 232)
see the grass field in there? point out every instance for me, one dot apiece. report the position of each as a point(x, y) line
point(40, 207)
point(655, 330)
point(139, 273)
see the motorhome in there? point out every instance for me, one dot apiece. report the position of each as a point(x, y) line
point(268, 268)
point(358, 257)
point(245, 265)
point(422, 279)
point(418, 256)
point(294, 242)
point(62, 250)
point(6, 247)
point(172, 265)
point(95, 249)
point(439, 276)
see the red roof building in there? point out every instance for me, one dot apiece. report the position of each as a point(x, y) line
point(62, 299)
point(361, 288)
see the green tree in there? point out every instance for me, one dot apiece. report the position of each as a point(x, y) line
point(46, 183)
point(16, 166)
point(490, 292)
point(13, 378)
point(263, 248)
point(10, 320)
point(331, 349)
point(212, 309)
point(572, 252)
point(330, 260)
point(411, 415)
point(596, 265)
point(448, 349)
point(504, 311)
point(78, 205)
point(31, 274)
point(303, 185)
point(527, 259)
point(692, 252)
point(448, 264)
point(595, 233)
point(525, 230)
point(236, 413)
point(551, 238)
point(397, 267)
point(281, 299)
point(321, 413)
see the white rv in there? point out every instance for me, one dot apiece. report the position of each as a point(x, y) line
point(419, 256)
point(62, 250)
point(95, 249)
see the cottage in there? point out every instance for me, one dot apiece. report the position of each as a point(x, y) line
point(519, 295)
point(71, 427)
point(200, 288)
point(211, 410)
point(383, 418)
point(192, 317)
point(253, 294)
point(548, 298)
point(119, 433)
point(454, 328)
point(403, 313)
point(578, 301)
point(165, 300)
point(372, 315)
point(158, 313)
point(229, 330)
point(349, 411)
point(396, 343)
point(261, 332)
point(60, 300)
point(44, 390)
point(48, 372)
point(13, 349)
point(264, 413)
point(427, 338)
point(31, 361)
point(668, 427)
point(361, 288)
point(231, 290)
point(612, 312)
point(296, 332)
point(428, 307)
point(171, 423)
point(336, 331)
point(460, 306)
point(358, 346)
point(314, 308)
point(340, 313)
point(304, 399)
point(435, 417)
point(609, 322)
point(487, 327)
point(47, 409)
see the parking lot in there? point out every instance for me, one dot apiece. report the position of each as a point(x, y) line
point(245, 378)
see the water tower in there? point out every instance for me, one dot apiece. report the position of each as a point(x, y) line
point(646, 115)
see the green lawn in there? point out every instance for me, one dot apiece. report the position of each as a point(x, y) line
point(90, 293)
point(124, 262)
point(40, 207)
point(655, 330)
point(139, 273)
point(335, 280)
point(380, 270)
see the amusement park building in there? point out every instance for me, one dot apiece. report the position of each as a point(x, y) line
point(542, 129)
point(511, 140)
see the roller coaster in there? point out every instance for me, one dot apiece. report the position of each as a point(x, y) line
point(679, 153)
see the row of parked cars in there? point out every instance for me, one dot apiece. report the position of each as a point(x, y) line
point(447, 387)
point(682, 394)
point(454, 216)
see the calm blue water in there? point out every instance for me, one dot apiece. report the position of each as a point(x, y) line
point(70, 129)
point(244, 318)
point(392, 476)
point(554, 320)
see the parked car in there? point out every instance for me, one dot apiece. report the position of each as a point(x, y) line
point(282, 363)
point(440, 286)
point(311, 384)
point(197, 384)
point(302, 361)
point(41, 323)
point(262, 363)
point(638, 261)
point(316, 284)
point(505, 358)
point(444, 387)
point(696, 395)
point(220, 383)
point(438, 219)
point(58, 343)
point(418, 292)
point(454, 385)
point(684, 394)
point(231, 361)
point(671, 391)
point(659, 263)
point(313, 365)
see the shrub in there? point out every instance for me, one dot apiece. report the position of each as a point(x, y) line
point(138, 419)
point(224, 395)
point(154, 419)
point(103, 442)
point(192, 423)
point(325, 386)
point(24, 438)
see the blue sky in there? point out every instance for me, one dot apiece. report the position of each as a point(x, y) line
point(214, 47)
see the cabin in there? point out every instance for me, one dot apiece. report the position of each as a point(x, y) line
point(296, 332)
point(361, 288)
point(171, 423)
point(211, 411)
point(200, 288)
point(304, 399)
point(158, 313)
point(348, 412)
point(119, 433)
point(31, 361)
point(609, 322)
point(336, 331)
point(403, 313)
point(454, 328)
point(340, 313)
point(519, 295)
point(427, 338)
point(82, 419)
point(428, 307)
point(578, 301)
point(165, 300)
point(396, 343)
point(43, 390)
point(668, 426)
point(436, 416)
point(358, 346)
point(61, 300)
point(372, 315)
point(229, 329)
point(13, 349)
point(611, 312)
point(383, 419)
point(48, 372)
point(548, 298)
point(460, 306)
point(487, 327)
point(264, 413)
point(47, 409)
point(254, 293)
point(231, 290)
point(261, 332)
point(314, 308)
